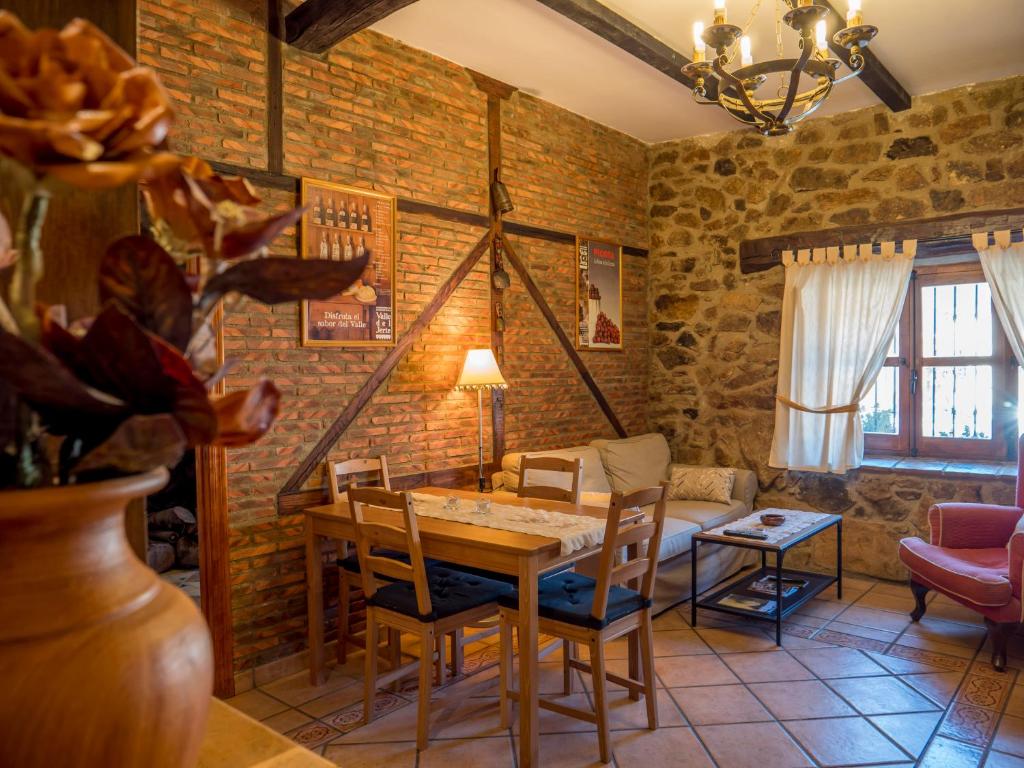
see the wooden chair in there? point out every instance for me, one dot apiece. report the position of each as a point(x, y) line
point(573, 467)
point(341, 476)
point(429, 603)
point(579, 609)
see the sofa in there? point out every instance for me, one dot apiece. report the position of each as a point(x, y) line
point(640, 461)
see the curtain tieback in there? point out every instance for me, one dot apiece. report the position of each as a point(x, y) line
point(851, 408)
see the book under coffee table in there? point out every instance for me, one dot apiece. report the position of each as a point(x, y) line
point(800, 526)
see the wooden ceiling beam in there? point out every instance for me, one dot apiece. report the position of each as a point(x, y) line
point(875, 75)
point(317, 25)
point(624, 34)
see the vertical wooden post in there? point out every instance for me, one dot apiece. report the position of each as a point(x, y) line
point(496, 92)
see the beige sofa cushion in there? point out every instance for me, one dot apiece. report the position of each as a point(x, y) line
point(676, 537)
point(744, 487)
point(706, 514)
point(593, 479)
point(635, 462)
point(702, 484)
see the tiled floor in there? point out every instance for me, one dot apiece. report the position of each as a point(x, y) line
point(855, 684)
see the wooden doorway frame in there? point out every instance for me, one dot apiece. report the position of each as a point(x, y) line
point(214, 545)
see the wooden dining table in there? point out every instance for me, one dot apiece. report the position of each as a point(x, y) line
point(509, 552)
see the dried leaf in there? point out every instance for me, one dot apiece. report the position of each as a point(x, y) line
point(41, 380)
point(139, 444)
point(244, 417)
point(7, 253)
point(142, 279)
point(250, 238)
point(120, 357)
point(275, 280)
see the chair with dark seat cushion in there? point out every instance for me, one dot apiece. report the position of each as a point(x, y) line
point(351, 563)
point(451, 592)
point(429, 604)
point(580, 609)
point(342, 475)
point(569, 597)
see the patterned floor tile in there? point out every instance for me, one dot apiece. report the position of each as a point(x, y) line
point(851, 641)
point(927, 657)
point(972, 725)
point(984, 691)
point(312, 735)
point(351, 717)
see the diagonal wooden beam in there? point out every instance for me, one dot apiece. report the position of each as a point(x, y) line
point(316, 25)
point(319, 452)
point(875, 75)
point(566, 342)
point(624, 34)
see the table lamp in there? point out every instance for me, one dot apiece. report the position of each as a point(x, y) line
point(480, 371)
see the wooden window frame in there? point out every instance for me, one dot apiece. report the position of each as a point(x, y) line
point(911, 363)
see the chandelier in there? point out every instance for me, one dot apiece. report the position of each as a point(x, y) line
point(737, 91)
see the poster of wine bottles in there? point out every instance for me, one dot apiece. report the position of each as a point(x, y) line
point(598, 294)
point(345, 223)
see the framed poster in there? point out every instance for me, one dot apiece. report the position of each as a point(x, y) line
point(598, 294)
point(344, 223)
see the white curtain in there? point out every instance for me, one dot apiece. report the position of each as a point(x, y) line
point(839, 313)
point(1003, 264)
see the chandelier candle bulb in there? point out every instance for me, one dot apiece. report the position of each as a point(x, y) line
point(820, 32)
point(854, 17)
point(746, 59)
point(698, 41)
point(719, 11)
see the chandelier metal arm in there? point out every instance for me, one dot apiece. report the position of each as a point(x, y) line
point(794, 77)
point(737, 85)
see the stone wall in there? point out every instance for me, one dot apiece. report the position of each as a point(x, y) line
point(715, 331)
point(377, 114)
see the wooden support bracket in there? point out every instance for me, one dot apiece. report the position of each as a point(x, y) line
point(566, 342)
point(319, 452)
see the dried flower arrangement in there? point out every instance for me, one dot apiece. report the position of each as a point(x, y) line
point(127, 390)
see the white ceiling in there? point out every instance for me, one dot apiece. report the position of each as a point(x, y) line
point(929, 45)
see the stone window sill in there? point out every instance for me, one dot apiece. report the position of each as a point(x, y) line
point(963, 469)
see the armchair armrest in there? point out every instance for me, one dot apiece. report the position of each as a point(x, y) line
point(962, 525)
point(1016, 547)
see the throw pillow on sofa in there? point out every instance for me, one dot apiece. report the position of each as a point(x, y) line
point(702, 484)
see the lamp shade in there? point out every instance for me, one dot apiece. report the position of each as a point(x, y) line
point(480, 371)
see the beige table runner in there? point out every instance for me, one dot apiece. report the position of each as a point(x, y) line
point(575, 532)
point(796, 521)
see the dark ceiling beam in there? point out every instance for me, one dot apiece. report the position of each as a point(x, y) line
point(875, 76)
point(626, 35)
point(317, 25)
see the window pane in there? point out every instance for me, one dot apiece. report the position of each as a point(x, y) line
point(956, 401)
point(879, 411)
point(956, 320)
point(1020, 401)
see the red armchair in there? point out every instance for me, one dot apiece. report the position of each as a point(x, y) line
point(974, 555)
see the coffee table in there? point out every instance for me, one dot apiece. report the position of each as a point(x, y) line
point(816, 582)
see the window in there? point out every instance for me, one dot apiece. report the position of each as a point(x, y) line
point(949, 386)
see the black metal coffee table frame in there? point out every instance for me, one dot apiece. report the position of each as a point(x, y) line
point(816, 582)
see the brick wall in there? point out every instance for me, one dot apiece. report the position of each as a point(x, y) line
point(715, 331)
point(378, 114)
